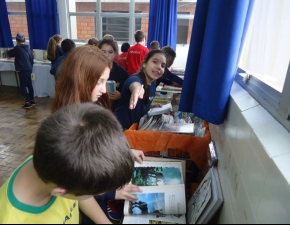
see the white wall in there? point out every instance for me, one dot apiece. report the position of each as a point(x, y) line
point(254, 155)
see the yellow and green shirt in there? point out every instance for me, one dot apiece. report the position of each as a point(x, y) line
point(58, 210)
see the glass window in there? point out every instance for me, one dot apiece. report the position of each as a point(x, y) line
point(121, 6)
point(185, 14)
point(265, 56)
point(116, 26)
point(17, 17)
point(266, 50)
point(85, 27)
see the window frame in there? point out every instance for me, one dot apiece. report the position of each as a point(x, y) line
point(98, 17)
point(276, 103)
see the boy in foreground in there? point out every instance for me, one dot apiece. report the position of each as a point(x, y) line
point(80, 151)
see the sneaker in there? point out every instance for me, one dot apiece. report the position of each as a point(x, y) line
point(27, 105)
point(32, 102)
point(115, 210)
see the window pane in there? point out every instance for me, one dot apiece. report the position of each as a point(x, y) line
point(76, 6)
point(18, 23)
point(184, 26)
point(142, 24)
point(121, 6)
point(186, 6)
point(266, 50)
point(184, 29)
point(116, 26)
point(82, 27)
point(142, 6)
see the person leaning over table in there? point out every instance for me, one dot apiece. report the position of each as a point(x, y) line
point(83, 79)
point(79, 151)
point(130, 108)
point(24, 63)
point(168, 77)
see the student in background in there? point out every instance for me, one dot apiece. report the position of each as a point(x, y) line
point(117, 73)
point(83, 79)
point(130, 108)
point(154, 45)
point(109, 36)
point(78, 153)
point(136, 53)
point(24, 64)
point(93, 41)
point(66, 45)
point(54, 48)
point(122, 59)
point(168, 77)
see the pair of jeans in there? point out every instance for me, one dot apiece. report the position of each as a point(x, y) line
point(26, 83)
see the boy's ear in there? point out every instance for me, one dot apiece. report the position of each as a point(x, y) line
point(58, 191)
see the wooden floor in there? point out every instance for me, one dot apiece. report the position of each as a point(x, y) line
point(18, 127)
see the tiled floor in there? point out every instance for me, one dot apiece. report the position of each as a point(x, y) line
point(17, 128)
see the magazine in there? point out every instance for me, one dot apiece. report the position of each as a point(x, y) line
point(159, 110)
point(163, 196)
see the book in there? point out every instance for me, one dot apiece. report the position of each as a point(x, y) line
point(206, 200)
point(163, 197)
point(111, 86)
point(152, 219)
point(178, 128)
point(160, 110)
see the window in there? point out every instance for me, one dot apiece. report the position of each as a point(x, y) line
point(121, 18)
point(265, 56)
point(185, 14)
point(17, 17)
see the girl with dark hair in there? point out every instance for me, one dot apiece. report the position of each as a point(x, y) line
point(117, 73)
point(129, 110)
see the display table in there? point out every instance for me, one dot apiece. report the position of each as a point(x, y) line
point(44, 82)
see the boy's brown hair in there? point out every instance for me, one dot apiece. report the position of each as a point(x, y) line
point(139, 36)
point(82, 148)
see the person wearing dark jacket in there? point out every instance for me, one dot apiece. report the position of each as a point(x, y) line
point(66, 45)
point(117, 73)
point(24, 64)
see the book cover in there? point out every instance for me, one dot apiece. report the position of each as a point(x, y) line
point(178, 128)
point(163, 197)
point(111, 86)
point(206, 200)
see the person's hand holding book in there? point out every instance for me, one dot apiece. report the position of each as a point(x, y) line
point(138, 155)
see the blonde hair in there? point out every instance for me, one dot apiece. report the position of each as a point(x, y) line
point(51, 46)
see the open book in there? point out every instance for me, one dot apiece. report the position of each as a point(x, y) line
point(163, 196)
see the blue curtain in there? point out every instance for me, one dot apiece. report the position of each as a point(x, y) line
point(217, 38)
point(42, 20)
point(162, 22)
point(5, 31)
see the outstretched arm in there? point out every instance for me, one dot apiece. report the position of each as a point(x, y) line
point(137, 91)
point(91, 208)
